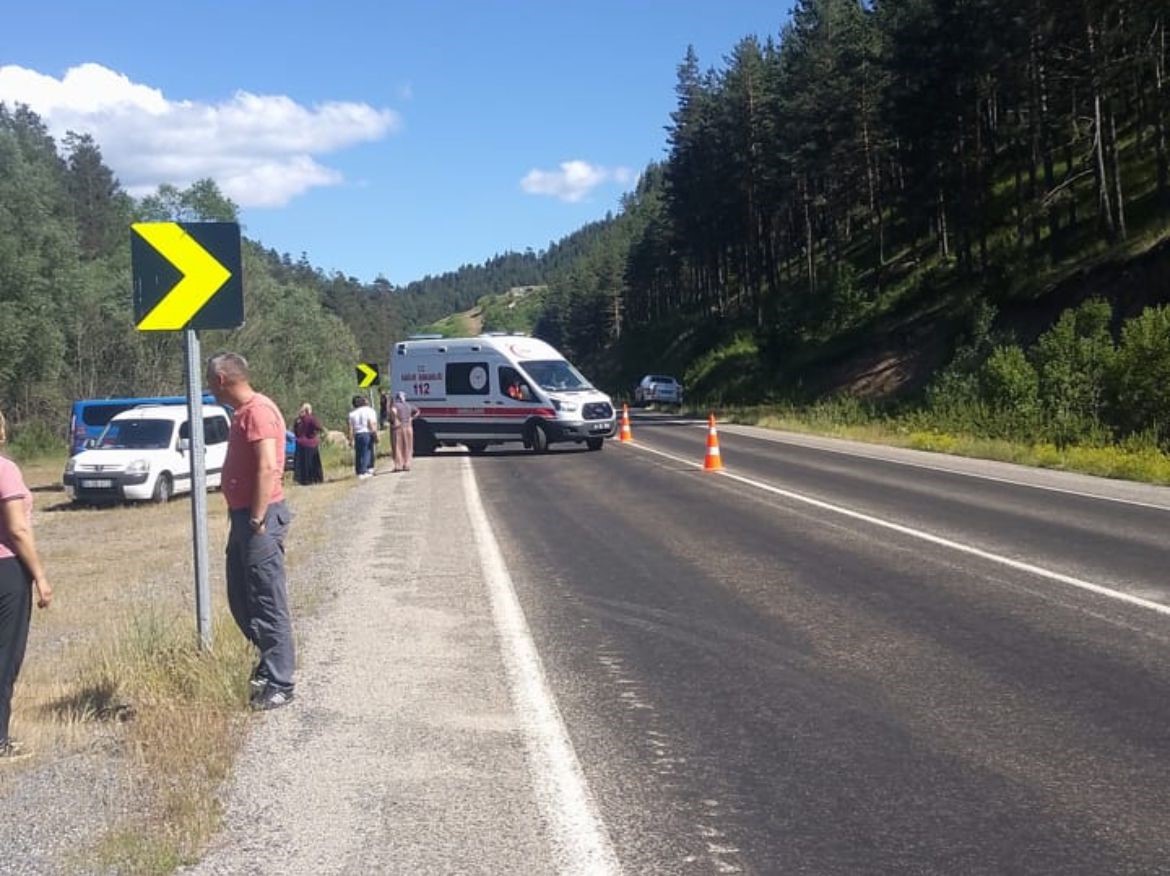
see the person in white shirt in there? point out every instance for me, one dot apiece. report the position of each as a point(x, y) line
point(363, 432)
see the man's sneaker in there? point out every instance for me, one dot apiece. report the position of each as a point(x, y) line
point(257, 680)
point(11, 750)
point(272, 698)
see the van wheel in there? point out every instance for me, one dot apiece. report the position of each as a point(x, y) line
point(594, 443)
point(424, 440)
point(538, 438)
point(163, 489)
point(476, 447)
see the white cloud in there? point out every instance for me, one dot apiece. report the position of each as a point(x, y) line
point(261, 149)
point(574, 180)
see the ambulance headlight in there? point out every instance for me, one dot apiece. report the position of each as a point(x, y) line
point(568, 407)
point(138, 466)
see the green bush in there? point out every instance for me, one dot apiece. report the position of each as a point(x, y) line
point(1139, 379)
point(1073, 361)
point(35, 438)
point(1011, 388)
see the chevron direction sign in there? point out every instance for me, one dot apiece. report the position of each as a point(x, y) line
point(367, 374)
point(187, 275)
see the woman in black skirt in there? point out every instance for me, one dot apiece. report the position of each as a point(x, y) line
point(307, 429)
point(21, 573)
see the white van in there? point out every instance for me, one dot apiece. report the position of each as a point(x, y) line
point(497, 388)
point(144, 453)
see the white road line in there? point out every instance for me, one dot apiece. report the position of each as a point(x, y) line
point(861, 454)
point(580, 842)
point(1031, 569)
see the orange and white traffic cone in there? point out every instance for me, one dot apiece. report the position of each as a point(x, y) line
point(625, 434)
point(713, 462)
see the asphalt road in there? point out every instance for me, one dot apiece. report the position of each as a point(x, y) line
point(753, 683)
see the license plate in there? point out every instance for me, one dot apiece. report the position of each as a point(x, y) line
point(600, 427)
point(98, 484)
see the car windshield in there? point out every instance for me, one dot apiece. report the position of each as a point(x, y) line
point(137, 435)
point(555, 375)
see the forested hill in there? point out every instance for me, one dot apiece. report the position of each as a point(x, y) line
point(841, 206)
point(66, 327)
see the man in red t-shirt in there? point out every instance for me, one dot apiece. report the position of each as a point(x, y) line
point(252, 485)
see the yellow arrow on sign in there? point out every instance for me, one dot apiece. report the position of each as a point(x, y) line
point(203, 275)
point(367, 375)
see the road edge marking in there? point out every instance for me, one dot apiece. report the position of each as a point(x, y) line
point(1018, 565)
point(580, 841)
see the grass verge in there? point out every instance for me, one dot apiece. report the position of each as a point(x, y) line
point(114, 660)
point(1135, 461)
point(184, 710)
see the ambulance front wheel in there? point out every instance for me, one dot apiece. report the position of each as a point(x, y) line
point(594, 443)
point(538, 438)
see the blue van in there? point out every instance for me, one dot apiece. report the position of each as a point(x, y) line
point(90, 416)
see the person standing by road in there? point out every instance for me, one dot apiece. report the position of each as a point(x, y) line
point(402, 414)
point(251, 483)
point(307, 464)
point(21, 574)
point(383, 408)
point(363, 432)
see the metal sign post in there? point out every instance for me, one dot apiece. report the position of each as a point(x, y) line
point(189, 276)
point(198, 485)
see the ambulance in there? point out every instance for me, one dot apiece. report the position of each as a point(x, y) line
point(497, 388)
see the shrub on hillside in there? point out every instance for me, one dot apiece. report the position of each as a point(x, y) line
point(1139, 379)
point(1011, 387)
point(1073, 361)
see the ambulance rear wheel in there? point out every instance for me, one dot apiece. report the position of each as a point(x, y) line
point(538, 438)
point(594, 443)
point(424, 440)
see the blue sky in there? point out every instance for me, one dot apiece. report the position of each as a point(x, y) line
point(380, 138)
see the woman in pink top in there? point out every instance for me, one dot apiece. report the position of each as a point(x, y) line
point(21, 573)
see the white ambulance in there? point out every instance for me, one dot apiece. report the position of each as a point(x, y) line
point(497, 388)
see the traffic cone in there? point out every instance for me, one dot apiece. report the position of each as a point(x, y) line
point(713, 462)
point(626, 434)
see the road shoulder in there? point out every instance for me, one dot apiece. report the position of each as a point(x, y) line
point(402, 752)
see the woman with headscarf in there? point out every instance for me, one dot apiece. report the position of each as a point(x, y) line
point(402, 414)
point(21, 574)
point(307, 464)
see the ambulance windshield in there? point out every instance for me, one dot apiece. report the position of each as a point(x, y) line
point(555, 375)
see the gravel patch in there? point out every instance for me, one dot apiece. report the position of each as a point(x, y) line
point(55, 810)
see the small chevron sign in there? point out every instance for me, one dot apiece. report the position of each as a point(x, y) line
point(187, 275)
point(367, 374)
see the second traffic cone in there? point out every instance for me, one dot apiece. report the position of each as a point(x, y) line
point(713, 461)
point(626, 434)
